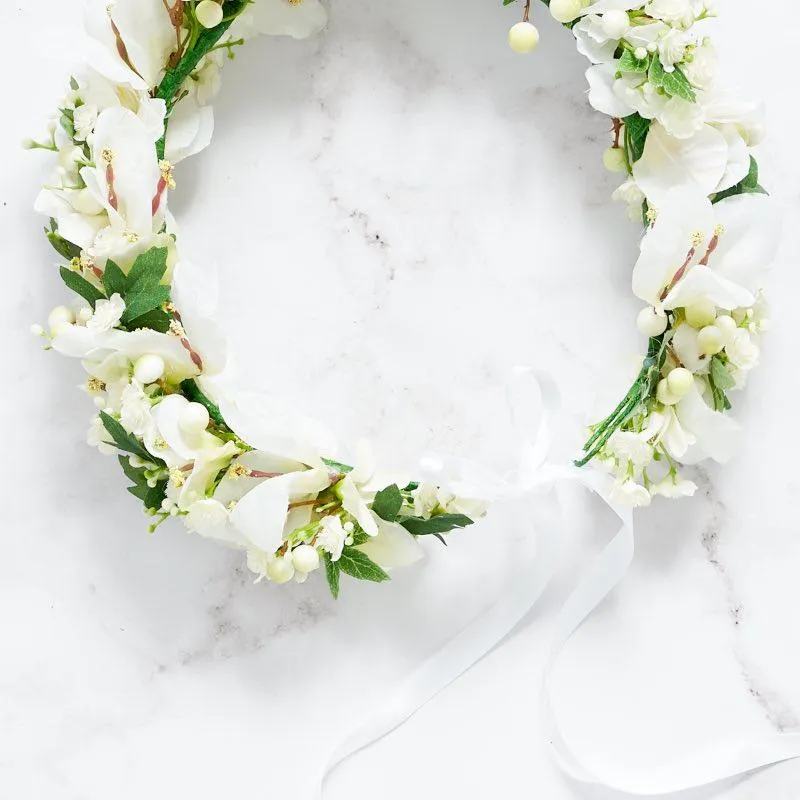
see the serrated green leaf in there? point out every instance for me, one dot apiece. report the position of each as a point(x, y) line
point(748, 185)
point(156, 320)
point(721, 374)
point(134, 474)
point(388, 502)
point(333, 574)
point(360, 566)
point(148, 269)
point(629, 63)
point(359, 536)
point(73, 84)
point(674, 84)
point(336, 465)
point(138, 303)
point(441, 523)
point(114, 280)
point(152, 497)
point(636, 130)
point(81, 286)
point(67, 122)
point(122, 439)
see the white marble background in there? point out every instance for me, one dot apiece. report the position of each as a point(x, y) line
point(405, 210)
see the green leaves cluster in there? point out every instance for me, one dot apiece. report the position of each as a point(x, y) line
point(140, 288)
point(356, 564)
point(720, 380)
point(673, 84)
point(151, 496)
point(635, 133)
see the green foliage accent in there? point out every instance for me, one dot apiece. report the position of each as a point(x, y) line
point(152, 497)
point(674, 84)
point(81, 286)
point(388, 502)
point(436, 525)
point(748, 185)
point(64, 248)
point(156, 320)
point(122, 439)
point(67, 121)
point(333, 573)
point(720, 380)
point(636, 130)
point(629, 63)
point(114, 280)
point(336, 465)
point(360, 566)
point(143, 291)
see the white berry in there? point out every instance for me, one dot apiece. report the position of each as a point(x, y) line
point(193, 419)
point(58, 317)
point(565, 10)
point(305, 558)
point(640, 53)
point(149, 369)
point(726, 324)
point(615, 23)
point(280, 570)
point(680, 381)
point(710, 340)
point(665, 395)
point(650, 322)
point(523, 37)
point(614, 159)
point(209, 13)
point(700, 314)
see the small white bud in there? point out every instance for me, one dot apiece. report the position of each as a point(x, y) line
point(640, 53)
point(710, 340)
point(209, 13)
point(680, 381)
point(565, 10)
point(650, 322)
point(726, 324)
point(615, 23)
point(193, 420)
point(614, 160)
point(149, 368)
point(305, 558)
point(523, 37)
point(59, 317)
point(280, 570)
point(700, 314)
point(28, 144)
point(665, 395)
point(37, 330)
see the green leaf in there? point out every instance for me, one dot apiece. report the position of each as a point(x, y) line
point(336, 465)
point(636, 130)
point(114, 280)
point(674, 84)
point(135, 474)
point(81, 286)
point(721, 374)
point(629, 62)
point(64, 248)
point(122, 439)
point(360, 566)
point(508, 2)
point(151, 497)
point(332, 573)
point(192, 392)
point(359, 536)
point(388, 502)
point(73, 84)
point(156, 320)
point(67, 122)
point(148, 269)
point(748, 185)
point(441, 523)
point(139, 303)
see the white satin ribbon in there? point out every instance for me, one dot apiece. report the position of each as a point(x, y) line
point(487, 631)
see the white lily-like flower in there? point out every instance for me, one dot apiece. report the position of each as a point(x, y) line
point(127, 180)
point(209, 518)
point(629, 494)
point(130, 41)
point(674, 487)
point(672, 435)
point(393, 546)
point(715, 434)
point(699, 252)
point(332, 536)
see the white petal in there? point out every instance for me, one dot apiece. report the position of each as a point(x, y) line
point(602, 97)
point(260, 515)
point(667, 162)
point(738, 158)
point(703, 283)
point(279, 18)
point(190, 130)
point(393, 547)
point(354, 504)
point(167, 415)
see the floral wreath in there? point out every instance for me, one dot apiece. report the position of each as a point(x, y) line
point(250, 472)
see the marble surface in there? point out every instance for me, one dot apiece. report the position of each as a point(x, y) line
point(404, 210)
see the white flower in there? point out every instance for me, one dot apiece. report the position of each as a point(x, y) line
point(715, 434)
point(632, 448)
point(135, 409)
point(206, 517)
point(672, 48)
point(392, 547)
point(332, 536)
point(671, 11)
point(741, 350)
point(97, 436)
point(696, 252)
point(630, 494)
point(674, 487)
point(687, 348)
point(84, 117)
point(701, 67)
point(673, 436)
point(630, 194)
point(681, 118)
point(107, 314)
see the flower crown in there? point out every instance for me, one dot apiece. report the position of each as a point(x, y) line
point(247, 469)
